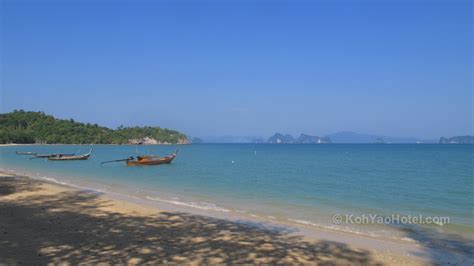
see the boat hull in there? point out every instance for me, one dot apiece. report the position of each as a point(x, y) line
point(164, 160)
point(52, 155)
point(25, 153)
point(68, 158)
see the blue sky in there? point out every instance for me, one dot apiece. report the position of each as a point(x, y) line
point(397, 68)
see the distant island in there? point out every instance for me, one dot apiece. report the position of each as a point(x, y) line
point(26, 127)
point(457, 140)
point(196, 140)
point(353, 137)
point(341, 137)
point(302, 139)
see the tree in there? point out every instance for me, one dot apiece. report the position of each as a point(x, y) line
point(21, 126)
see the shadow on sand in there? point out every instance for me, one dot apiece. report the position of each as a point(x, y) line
point(441, 248)
point(69, 226)
point(12, 185)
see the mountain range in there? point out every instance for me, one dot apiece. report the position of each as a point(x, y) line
point(457, 140)
point(231, 139)
point(338, 137)
point(353, 137)
point(302, 139)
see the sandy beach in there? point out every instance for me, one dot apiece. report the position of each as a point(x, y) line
point(42, 222)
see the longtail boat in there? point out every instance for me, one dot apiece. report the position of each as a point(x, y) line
point(40, 156)
point(62, 157)
point(146, 160)
point(25, 153)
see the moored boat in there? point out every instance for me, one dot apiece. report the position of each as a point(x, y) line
point(146, 160)
point(151, 160)
point(40, 156)
point(62, 157)
point(25, 153)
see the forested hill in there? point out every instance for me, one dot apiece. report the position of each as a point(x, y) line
point(37, 127)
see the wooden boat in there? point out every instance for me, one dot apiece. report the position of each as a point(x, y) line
point(25, 153)
point(62, 157)
point(39, 156)
point(146, 160)
point(151, 160)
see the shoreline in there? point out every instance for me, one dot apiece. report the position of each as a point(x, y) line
point(217, 143)
point(90, 144)
point(173, 200)
point(388, 251)
point(164, 200)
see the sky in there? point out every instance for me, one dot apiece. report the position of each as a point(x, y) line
point(209, 68)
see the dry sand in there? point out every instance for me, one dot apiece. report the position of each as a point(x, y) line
point(47, 223)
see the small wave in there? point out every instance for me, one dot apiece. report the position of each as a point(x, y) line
point(352, 230)
point(196, 205)
point(84, 188)
point(54, 180)
point(302, 222)
point(93, 190)
point(153, 198)
point(330, 227)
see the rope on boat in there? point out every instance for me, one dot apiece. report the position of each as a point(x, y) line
point(120, 160)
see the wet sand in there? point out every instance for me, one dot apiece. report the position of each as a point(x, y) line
point(42, 223)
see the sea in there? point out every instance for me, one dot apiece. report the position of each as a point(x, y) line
point(382, 190)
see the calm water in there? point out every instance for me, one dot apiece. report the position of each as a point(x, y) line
point(297, 183)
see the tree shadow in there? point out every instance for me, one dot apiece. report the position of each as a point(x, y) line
point(12, 184)
point(71, 227)
point(441, 248)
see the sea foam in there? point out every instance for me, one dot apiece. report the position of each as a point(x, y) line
point(192, 204)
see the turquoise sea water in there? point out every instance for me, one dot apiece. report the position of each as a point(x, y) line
point(296, 183)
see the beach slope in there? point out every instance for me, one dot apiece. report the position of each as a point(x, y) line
point(48, 223)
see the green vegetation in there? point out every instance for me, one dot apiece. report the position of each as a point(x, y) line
point(36, 127)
